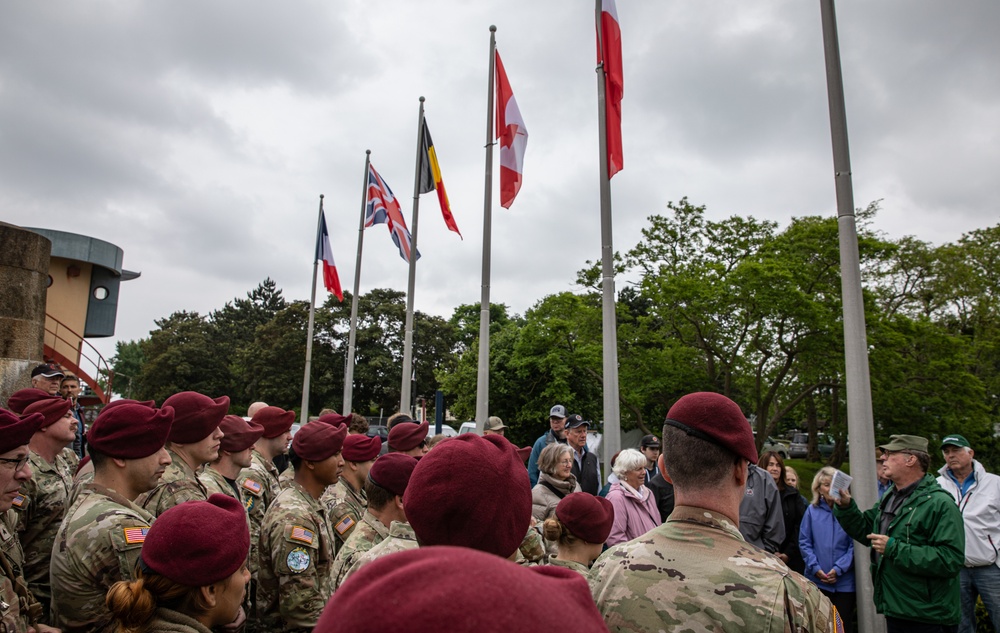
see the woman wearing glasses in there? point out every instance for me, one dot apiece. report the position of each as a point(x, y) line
point(555, 480)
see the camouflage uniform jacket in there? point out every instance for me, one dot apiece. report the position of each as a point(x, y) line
point(259, 483)
point(178, 484)
point(296, 559)
point(580, 568)
point(98, 544)
point(532, 548)
point(696, 572)
point(345, 506)
point(216, 483)
point(40, 507)
point(370, 532)
point(286, 478)
point(18, 608)
point(400, 539)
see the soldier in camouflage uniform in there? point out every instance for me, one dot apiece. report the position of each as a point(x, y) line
point(193, 442)
point(100, 538)
point(18, 608)
point(346, 501)
point(399, 539)
point(43, 499)
point(695, 572)
point(259, 482)
point(384, 488)
point(296, 546)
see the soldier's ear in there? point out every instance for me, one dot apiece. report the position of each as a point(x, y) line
point(209, 594)
point(741, 472)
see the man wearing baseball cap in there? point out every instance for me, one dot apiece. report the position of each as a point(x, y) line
point(193, 442)
point(557, 424)
point(918, 540)
point(384, 487)
point(494, 426)
point(20, 609)
point(346, 500)
point(47, 377)
point(99, 540)
point(586, 467)
point(696, 569)
point(296, 543)
point(977, 494)
point(650, 447)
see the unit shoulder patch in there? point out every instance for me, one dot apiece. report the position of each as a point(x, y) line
point(298, 560)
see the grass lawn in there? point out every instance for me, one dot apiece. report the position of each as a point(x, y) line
point(807, 470)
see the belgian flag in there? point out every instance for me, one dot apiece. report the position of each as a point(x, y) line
point(430, 177)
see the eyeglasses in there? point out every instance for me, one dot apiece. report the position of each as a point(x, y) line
point(17, 464)
point(566, 462)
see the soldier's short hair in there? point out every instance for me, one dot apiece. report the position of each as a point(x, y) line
point(96, 457)
point(694, 463)
point(378, 497)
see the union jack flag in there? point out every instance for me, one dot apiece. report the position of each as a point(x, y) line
point(382, 208)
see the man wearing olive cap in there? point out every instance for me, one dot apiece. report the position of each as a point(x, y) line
point(99, 540)
point(977, 494)
point(696, 572)
point(918, 540)
point(296, 544)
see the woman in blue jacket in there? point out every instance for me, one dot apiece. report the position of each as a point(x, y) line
point(827, 550)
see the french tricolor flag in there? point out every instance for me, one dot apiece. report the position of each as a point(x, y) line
point(330, 278)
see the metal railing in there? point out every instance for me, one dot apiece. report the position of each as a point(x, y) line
point(89, 365)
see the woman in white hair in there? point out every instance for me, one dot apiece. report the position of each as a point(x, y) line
point(635, 507)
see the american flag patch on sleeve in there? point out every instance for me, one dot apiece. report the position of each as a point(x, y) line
point(252, 486)
point(299, 533)
point(18, 500)
point(135, 535)
point(345, 524)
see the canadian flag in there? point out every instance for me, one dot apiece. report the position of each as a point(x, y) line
point(609, 52)
point(513, 137)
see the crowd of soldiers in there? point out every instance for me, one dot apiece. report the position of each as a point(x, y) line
point(185, 518)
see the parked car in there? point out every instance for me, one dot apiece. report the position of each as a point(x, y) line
point(380, 430)
point(771, 444)
point(446, 430)
point(467, 427)
point(799, 448)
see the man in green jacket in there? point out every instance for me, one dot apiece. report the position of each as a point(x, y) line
point(917, 539)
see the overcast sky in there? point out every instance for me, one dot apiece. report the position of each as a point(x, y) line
point(197, 136)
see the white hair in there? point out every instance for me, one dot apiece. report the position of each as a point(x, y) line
point(627, 461)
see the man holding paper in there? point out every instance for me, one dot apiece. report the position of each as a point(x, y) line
point(918, 539)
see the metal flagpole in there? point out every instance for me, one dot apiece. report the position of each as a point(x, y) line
point(404, 392)
point(352, 337)
point(860, 422)
point(483, 377)
point(612, 416)
point(304, 416)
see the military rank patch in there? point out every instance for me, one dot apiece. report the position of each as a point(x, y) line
point(299, 533)
point(298, 560)
point(253, 486)
point(135, 535)
point(18, 500)
point(345, 524)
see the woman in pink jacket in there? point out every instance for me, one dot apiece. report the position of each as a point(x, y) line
point(635, 507)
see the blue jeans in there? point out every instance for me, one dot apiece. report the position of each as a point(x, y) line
point(984, 582)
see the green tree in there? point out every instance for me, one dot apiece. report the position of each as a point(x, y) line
point(180, 356)
point(126, 365)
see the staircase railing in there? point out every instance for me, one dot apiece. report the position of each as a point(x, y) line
point(91, 368)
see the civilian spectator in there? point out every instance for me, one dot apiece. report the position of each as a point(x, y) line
point(557, 423)
point(793, 506)
point(650, 447)
point(635, 507)
point(555, 481)
point(585, 465)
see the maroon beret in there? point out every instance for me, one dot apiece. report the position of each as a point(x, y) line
point(275, 420)
point(196, 416)
point(361, 448)
point(239, 434)
point(16, 431)
point(335, 419)
point(117, 403)
point(392, 472)
point(716, 419)
point(52, 408)
point(408, 435)
point(23, 397)
point(413, 585)
point(199, 542)
point(130, 431)
point(316, 442)
point(524, 453)
point(587, 517)
point(471, 491)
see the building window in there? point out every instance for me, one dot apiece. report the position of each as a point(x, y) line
point(100, 293)
point(48, 284)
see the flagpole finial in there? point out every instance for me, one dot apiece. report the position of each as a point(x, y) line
point(422, 99)
point(493, 28)
point(320, 196)
point(368, 152)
